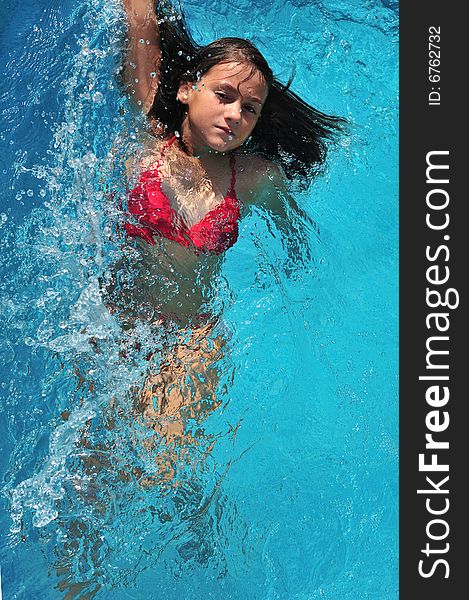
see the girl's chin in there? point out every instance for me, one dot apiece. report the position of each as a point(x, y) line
point(216, 143)
point(223, 145)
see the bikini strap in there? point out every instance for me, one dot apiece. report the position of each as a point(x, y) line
point(159, 162)
point(233, 175)
point(167, 144)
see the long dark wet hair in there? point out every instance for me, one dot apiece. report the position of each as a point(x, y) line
point(289, 132)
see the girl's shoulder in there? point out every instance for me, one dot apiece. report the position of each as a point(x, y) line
point(255, 175)
point(152, 148)
point(149, 152)
point(255, 165)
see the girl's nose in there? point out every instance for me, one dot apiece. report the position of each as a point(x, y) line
point(233, 111)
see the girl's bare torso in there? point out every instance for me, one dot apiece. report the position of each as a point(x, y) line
point(172, 279)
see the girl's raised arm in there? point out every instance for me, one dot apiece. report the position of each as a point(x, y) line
point(142, 63)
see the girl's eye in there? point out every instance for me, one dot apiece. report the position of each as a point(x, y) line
point(226, 98)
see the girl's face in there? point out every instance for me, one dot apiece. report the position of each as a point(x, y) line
point(223, 107)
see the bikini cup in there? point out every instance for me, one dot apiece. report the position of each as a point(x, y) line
point(214, 233)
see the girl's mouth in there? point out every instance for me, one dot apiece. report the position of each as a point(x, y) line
point(226, 130)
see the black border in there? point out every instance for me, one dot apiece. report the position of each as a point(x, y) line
point(424, 128)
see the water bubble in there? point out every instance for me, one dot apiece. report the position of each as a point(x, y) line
point(30, 193)
point(3, 219)
point(89, 159)
point(44, 331)
point(42, 192)
point(41, 172)
point(68, 238)
point(98, 97)
point(7, 353)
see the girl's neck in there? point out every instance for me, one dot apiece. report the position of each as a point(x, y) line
point(190, 145)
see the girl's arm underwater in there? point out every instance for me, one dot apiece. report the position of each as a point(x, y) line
point(292, 222)
point(142, 64)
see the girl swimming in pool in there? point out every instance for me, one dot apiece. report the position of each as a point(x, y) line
point(223, 135)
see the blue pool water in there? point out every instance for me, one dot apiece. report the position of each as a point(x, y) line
point(298, 496)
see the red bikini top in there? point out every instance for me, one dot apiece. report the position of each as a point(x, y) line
point(215, 232)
